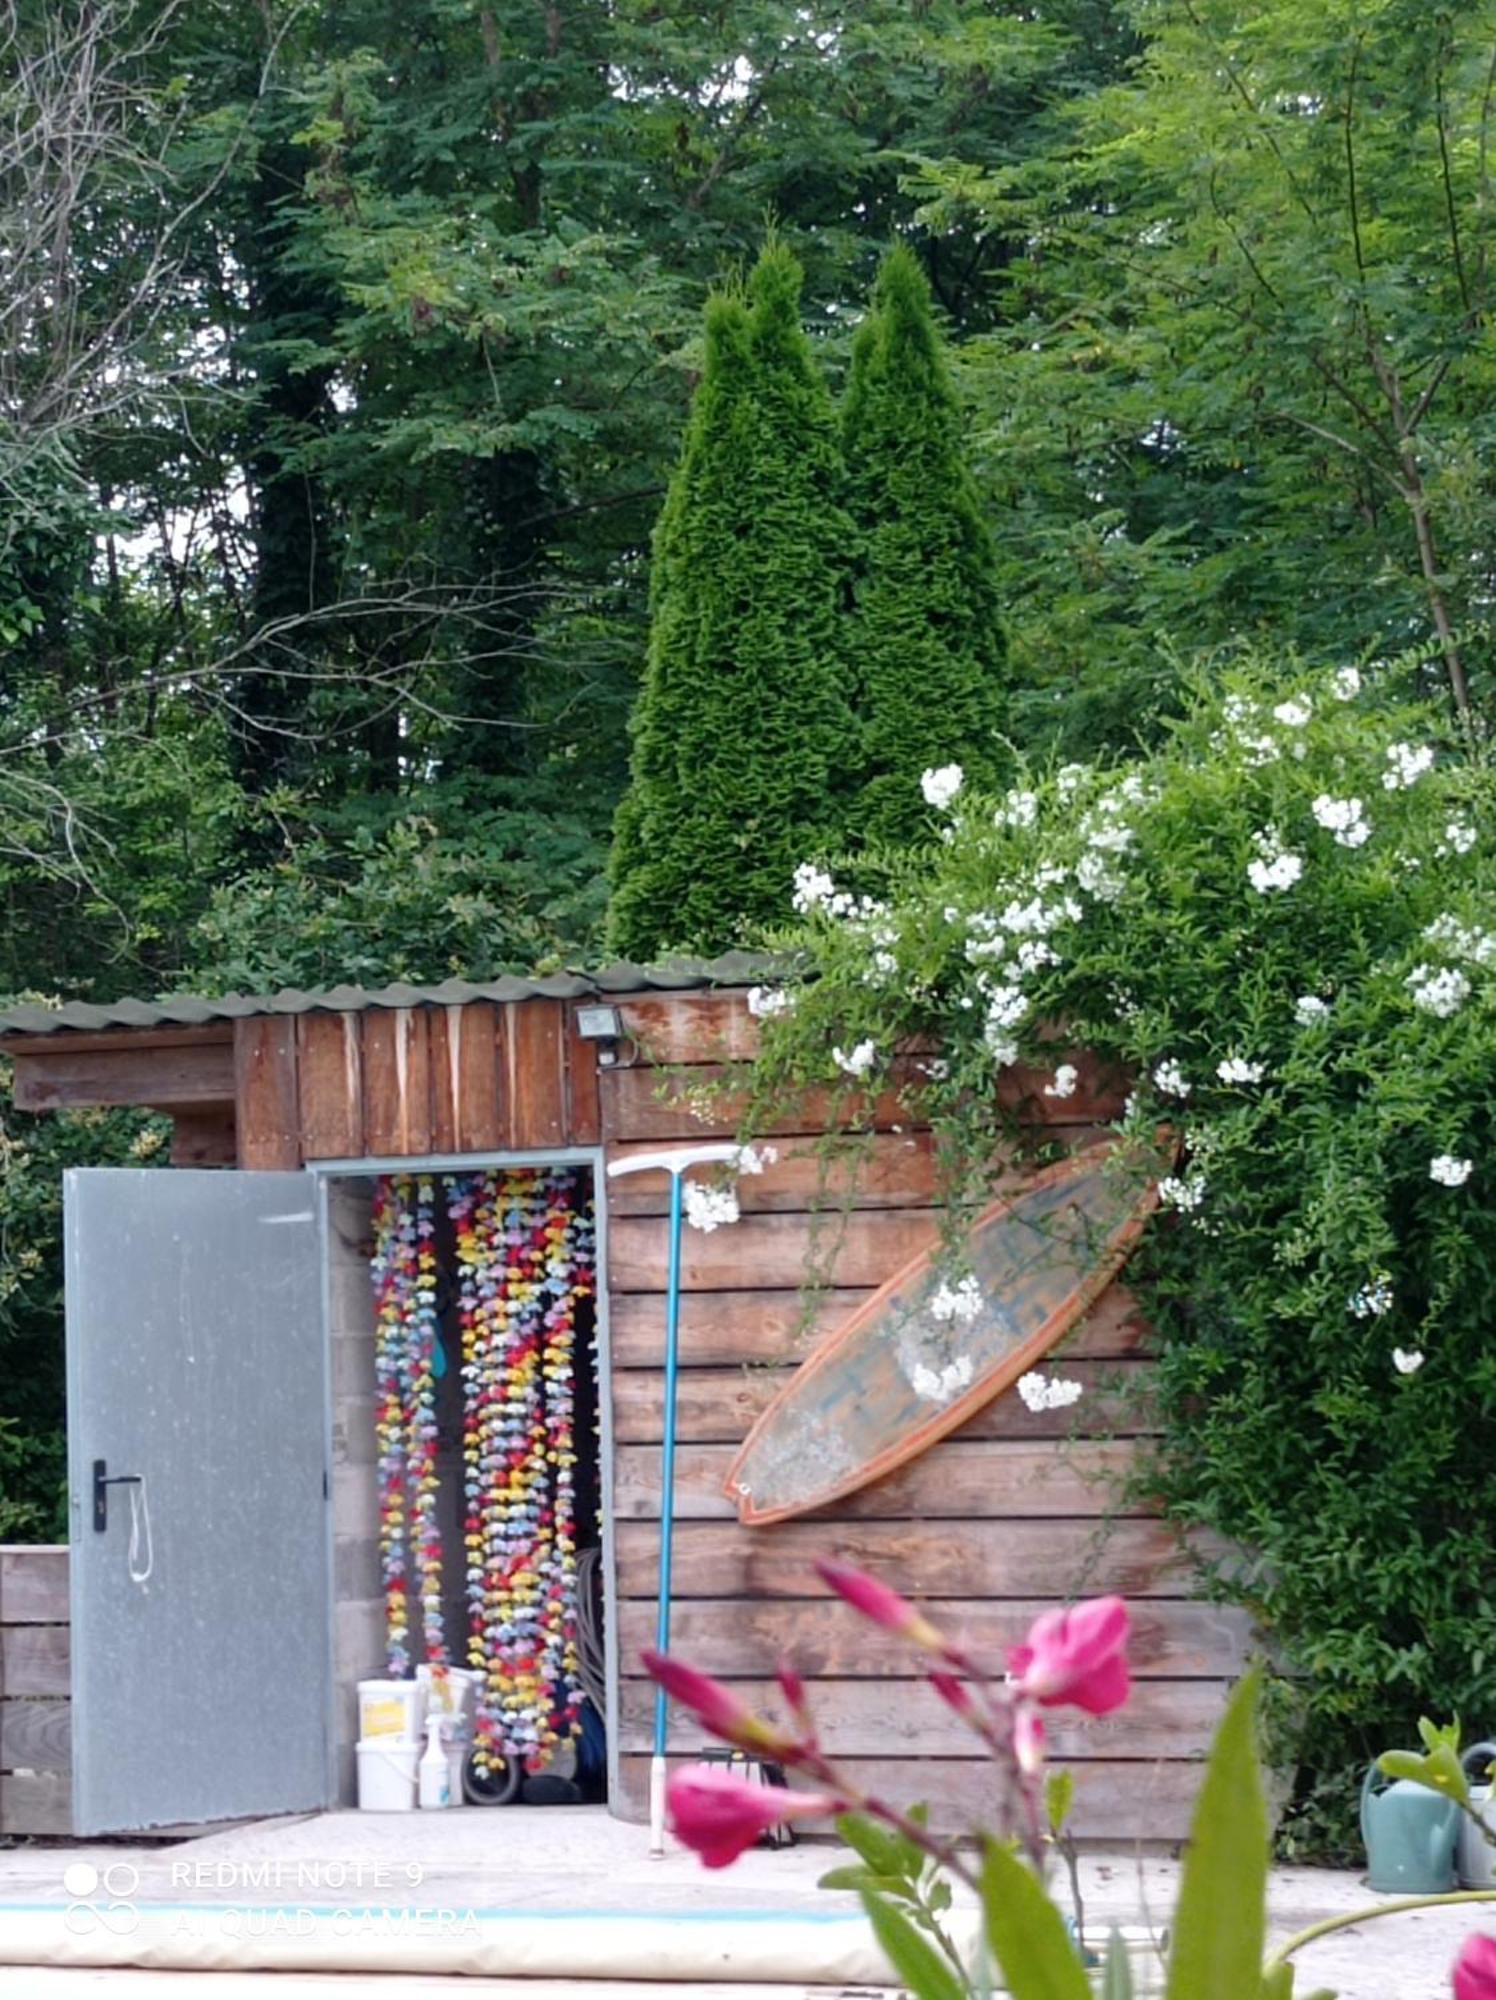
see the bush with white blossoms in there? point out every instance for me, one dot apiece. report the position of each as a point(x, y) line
point(1281, 928)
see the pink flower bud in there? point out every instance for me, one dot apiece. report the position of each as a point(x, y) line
point(1077, 1656)
point(716, 1707)
point(882, 1605)
point(1475, 1970)
point(719, 1816)
point(955, 1694)
point(793, 1689)
point(1028, 1741)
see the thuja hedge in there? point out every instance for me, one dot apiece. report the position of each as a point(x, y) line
point(1283, 924)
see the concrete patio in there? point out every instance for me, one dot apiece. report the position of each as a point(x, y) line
point(546, 1902)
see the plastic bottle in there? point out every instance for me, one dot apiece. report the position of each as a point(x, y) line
point(434, 1777)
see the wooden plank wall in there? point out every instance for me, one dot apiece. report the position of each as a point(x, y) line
point(35, 1737)
point(1014, 1513)
point(399, 1082)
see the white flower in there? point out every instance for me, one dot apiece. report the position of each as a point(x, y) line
point(1408, 765)
point(1019, 809)
point(753, 1159)
point(707, 1207)
point(1459, 836)
point(962, 1301)
point(1070, 778)
point(1183, 1193)
point(936, 1068)
point(1309, 1010)
point(1439, 993)
point(1235, 1070)
point(764, 1002)
point(813, 887)
point(1407, 1360)
point(1034, 953)
point(1171, 1079)
point(941, 786)
point(1066, 1077)
point(1464, 941)
point(1006, 1006)
point(1293, 714)
point(1002, 1047)
point(1449, 1171)
point(1279, 873)
point(858, 1061)
point(1343, 818)
point(1345, 683)
point(1374, 1297)
point(940, 1384)
point(1042, 1392)
point(1093, 875)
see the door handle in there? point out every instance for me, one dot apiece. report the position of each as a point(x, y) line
point(101, 1485)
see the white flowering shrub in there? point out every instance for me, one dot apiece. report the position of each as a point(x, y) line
point(1282, 928)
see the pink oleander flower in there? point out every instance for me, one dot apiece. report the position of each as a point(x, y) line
point(716, 1708)
point(1077, 1656)
point(1475, 1970)
point(881, 1604)
point(1028, 1742)
point(720, 1816)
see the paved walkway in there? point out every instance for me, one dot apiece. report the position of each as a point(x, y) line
point(563, 1896)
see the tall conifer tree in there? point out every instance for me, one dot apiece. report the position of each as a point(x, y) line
point(744, 747)
point(926, 648)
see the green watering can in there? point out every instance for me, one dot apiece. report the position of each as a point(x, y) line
point(1409, 1833)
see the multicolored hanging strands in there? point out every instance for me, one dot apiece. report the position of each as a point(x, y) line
point(406, 1332)
point(525, 1259)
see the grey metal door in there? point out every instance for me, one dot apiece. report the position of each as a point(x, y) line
point(197, 1377)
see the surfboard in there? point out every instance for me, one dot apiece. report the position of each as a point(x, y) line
point(906, 1370)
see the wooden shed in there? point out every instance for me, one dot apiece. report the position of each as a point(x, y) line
point(221, 1333)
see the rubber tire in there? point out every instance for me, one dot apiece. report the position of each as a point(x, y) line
point(495, 1789)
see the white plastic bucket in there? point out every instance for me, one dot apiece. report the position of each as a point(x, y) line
point(452, 1692)
point(387, 1775)
point(391, 1709)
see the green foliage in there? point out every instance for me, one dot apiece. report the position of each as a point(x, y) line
point(1301, 988)
point(1220, 1918)
point(469, 886)
point(925, 643)
point(35, 1152)
point(742, 738)
point(1036, 1952)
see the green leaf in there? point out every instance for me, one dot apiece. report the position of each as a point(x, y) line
point(1219, 1921)
point(1278, 1984)
point(917, 1963)
point(1116, 1978)
point(1059, 1796)
point(1034, 1949)
point(886, 1853)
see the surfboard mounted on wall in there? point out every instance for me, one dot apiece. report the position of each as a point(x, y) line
point(905, 1370)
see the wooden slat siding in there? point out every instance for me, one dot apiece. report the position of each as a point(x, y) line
point(35, 1714)
point(444, 1035)
point(720, 1405)
point(645, 1103)
point(56, 1076)
point(734, 1329)
point(535, 1074)
point(872, 1170)
point(967, 1479)
point(36, 1736)
point(906, 1718)
point(1172, 1638)
point(584, 1105)
point(204, 1137)
point(330, 1086)
point(397, 1082)
point(266, 1115)
point(669, 1028)
point(119, 1041)
point(864, 1247)
point(1117, 1802)
point(39, 1803)
point(480, 1124)
point(1139, 1558)
point(33, 1585)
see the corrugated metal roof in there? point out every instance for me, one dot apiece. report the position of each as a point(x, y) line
point(738, 968)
